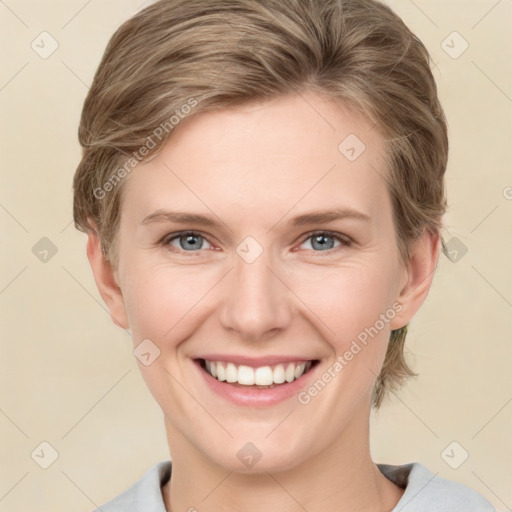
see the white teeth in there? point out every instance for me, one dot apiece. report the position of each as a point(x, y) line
point(231, 373)
point(221, 373)
point(299, 370)
point(289, 375)
point(262, 376)
point(245, 375)
point(279, 374)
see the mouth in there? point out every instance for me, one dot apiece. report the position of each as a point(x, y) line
point(262, 377)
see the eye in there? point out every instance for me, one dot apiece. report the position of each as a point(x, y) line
point(193, 241)
point(322, 241)
point(186, 241)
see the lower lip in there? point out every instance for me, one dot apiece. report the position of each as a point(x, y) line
point(254, 397)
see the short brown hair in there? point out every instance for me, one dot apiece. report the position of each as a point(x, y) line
point(178, 58)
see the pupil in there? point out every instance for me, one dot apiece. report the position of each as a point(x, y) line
point(191, 241)
point(321, 240)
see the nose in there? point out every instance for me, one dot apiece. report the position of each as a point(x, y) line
point(257, 302)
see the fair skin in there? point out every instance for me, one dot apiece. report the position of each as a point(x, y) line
point(252, 169)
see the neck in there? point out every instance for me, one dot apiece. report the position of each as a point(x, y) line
point(343, 472)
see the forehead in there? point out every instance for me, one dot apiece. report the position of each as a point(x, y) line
point(298, 152)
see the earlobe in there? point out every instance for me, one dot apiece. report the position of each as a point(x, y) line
point(105, 280)
point(420, 273)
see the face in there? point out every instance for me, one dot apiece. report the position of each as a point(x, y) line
point(291, 257)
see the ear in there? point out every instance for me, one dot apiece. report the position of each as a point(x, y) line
point(420, 272)
point(104, 276)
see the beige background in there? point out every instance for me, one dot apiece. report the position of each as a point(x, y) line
point(68, 376)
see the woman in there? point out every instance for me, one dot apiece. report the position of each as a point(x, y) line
point(262, 190)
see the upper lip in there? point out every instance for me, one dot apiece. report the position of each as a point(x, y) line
point(254, 362)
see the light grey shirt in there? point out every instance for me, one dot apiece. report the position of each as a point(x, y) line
point(424, 492)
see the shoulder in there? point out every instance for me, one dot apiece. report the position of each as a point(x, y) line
point(425, 491)
point(145, 495)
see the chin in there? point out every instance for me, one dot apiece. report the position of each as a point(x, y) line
point(257, 454)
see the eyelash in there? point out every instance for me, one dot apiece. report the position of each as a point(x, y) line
point(343, 239)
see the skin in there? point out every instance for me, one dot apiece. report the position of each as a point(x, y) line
point(252, 169)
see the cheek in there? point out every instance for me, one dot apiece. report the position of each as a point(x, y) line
point(161, 301)
point(347, 299)
point(163, 305)
point(357, 307)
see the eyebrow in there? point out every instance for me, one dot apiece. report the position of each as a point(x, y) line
point(313, 217)
point(329, 215)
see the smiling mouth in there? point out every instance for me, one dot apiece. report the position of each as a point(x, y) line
point(263, 377)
